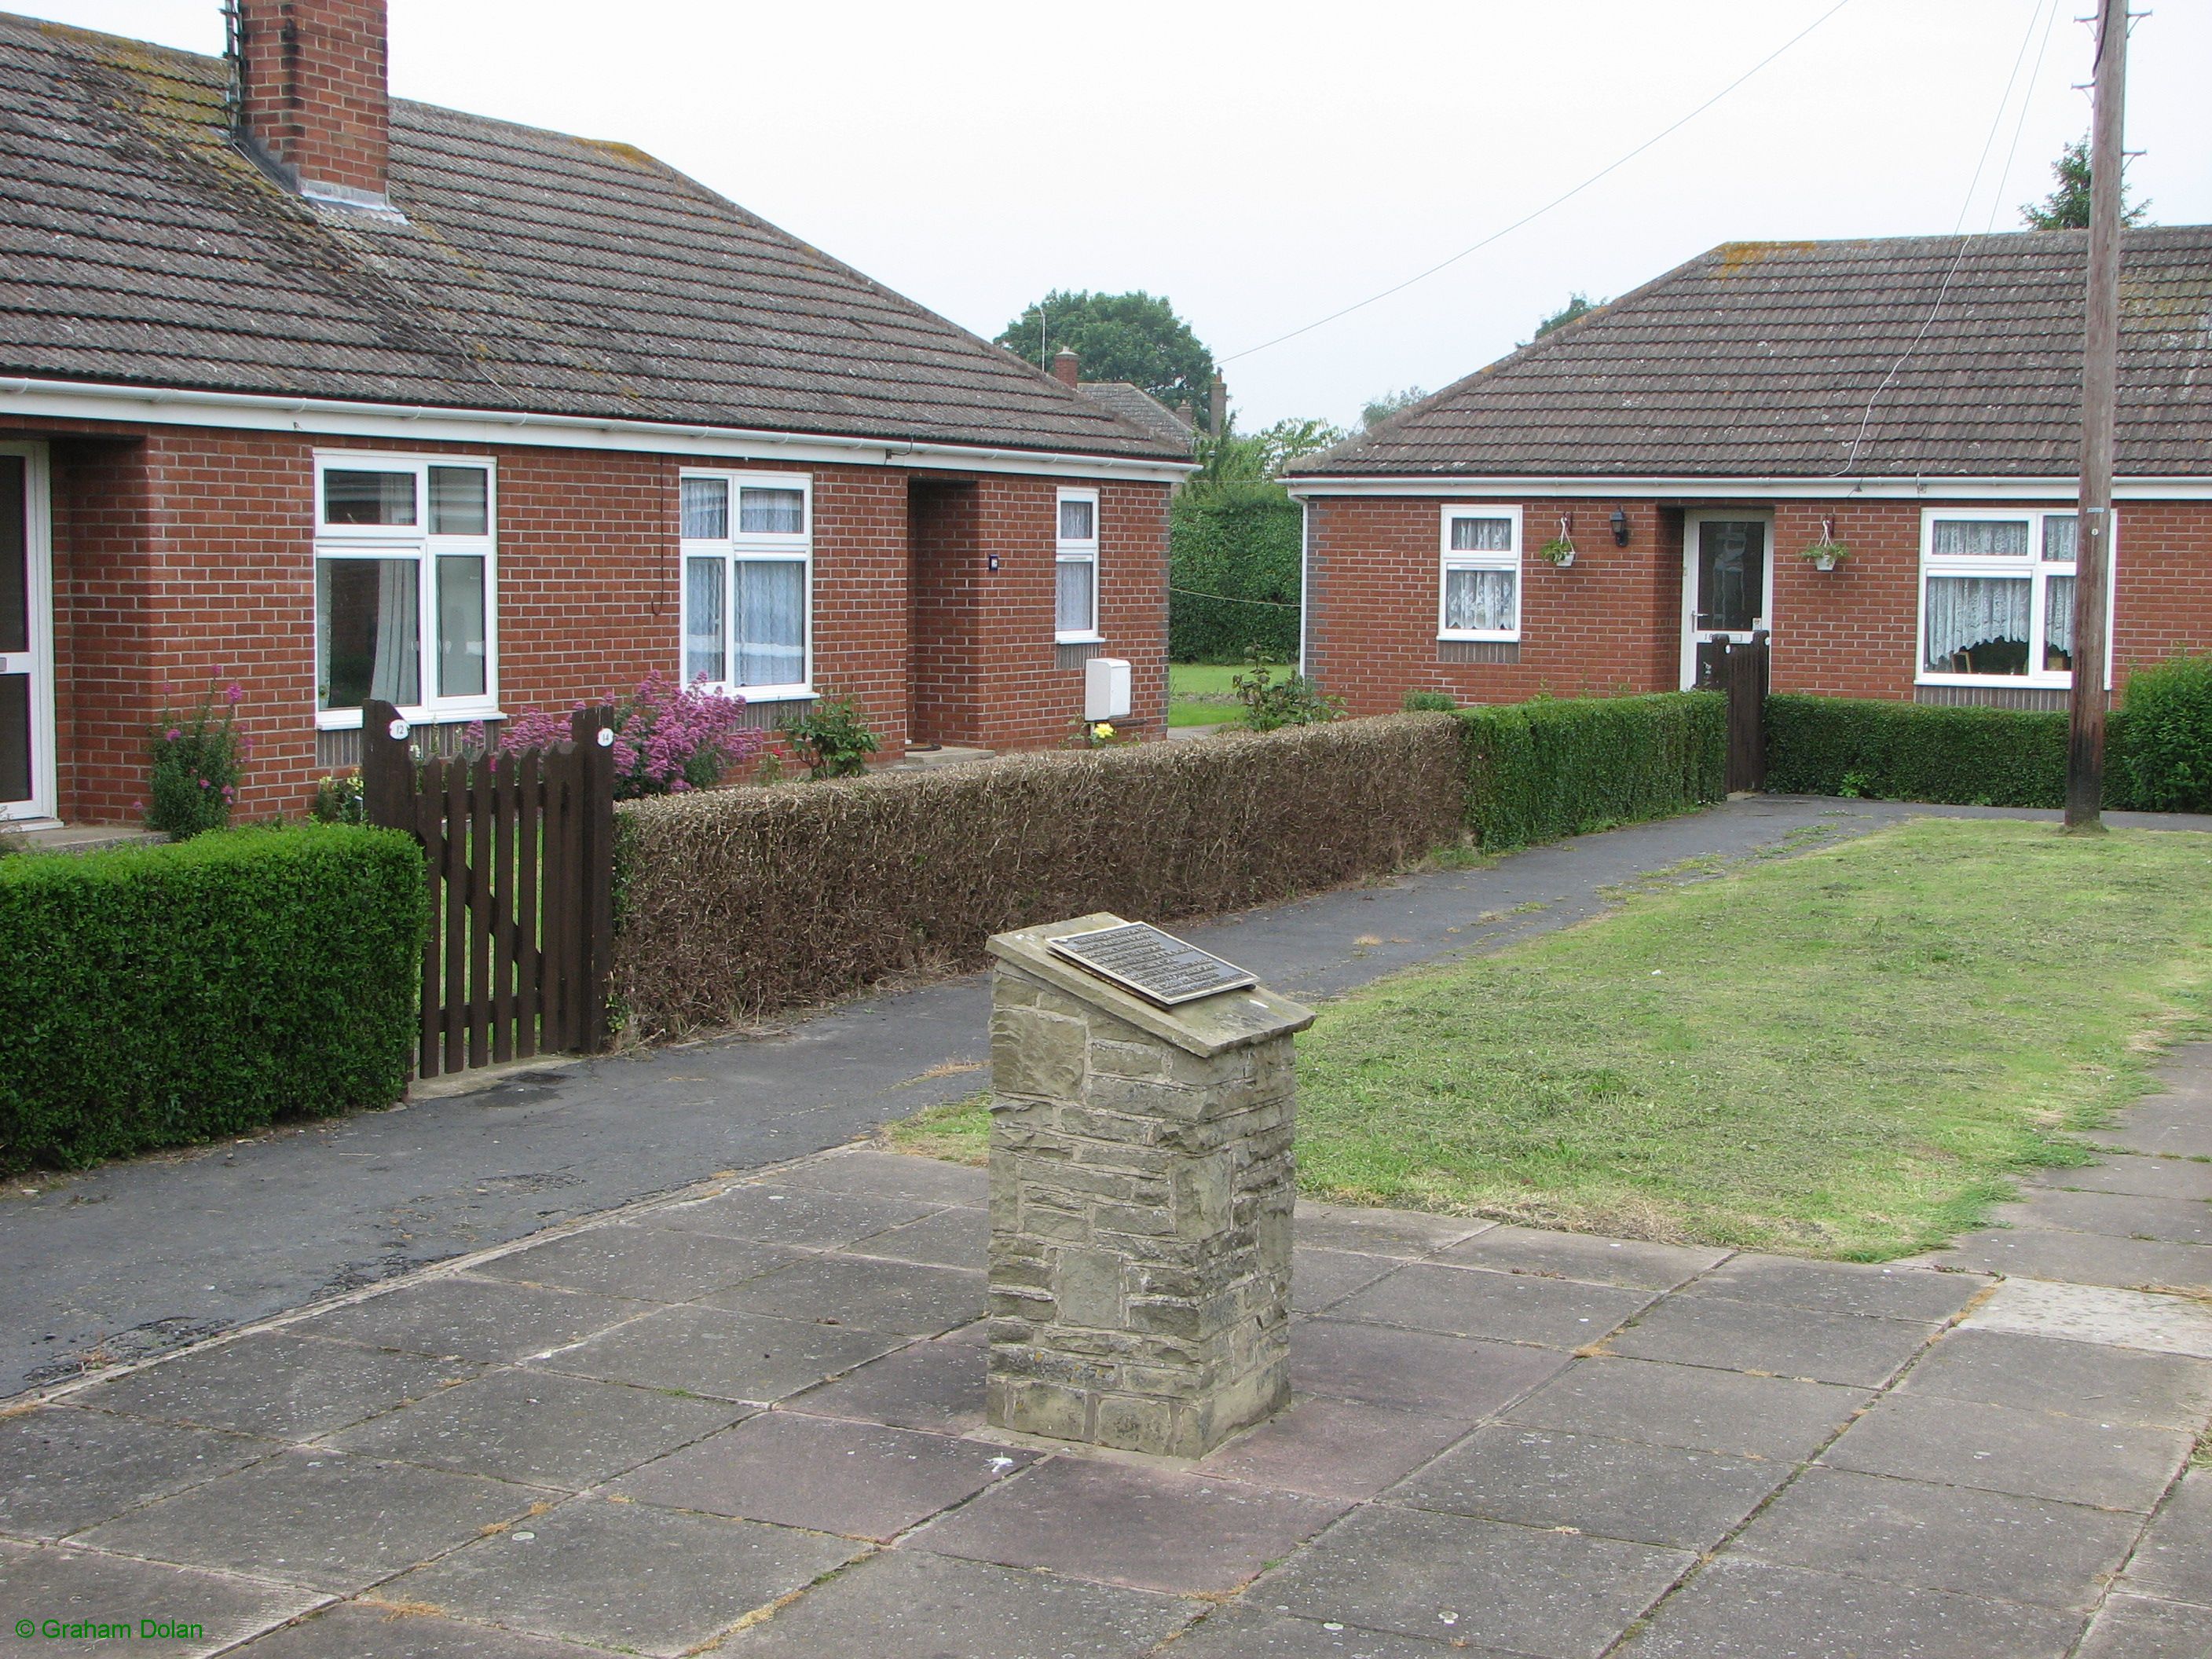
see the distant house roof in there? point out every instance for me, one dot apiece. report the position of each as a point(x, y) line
point(1139, 408)
point(1758, 359)
point(536, 273)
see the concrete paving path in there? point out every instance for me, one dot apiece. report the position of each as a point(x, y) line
point(137, 1258)
point(749, 1418)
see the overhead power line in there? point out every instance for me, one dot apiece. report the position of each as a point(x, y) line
point(1563, 197)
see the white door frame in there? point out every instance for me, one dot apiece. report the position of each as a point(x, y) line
point(1692, 523)
point(38, 661)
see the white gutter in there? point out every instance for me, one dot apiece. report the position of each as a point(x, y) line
point(332, 417)
point(1458, 488)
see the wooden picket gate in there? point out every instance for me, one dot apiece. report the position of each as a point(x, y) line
point(519, 847)
point(1742, 679)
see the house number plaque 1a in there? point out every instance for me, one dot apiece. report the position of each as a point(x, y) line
point(1158, 967)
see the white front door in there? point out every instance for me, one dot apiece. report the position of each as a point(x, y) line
point(26, 638)
point(1727, 586)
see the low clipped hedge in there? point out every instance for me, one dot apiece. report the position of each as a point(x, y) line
point(1537, 771)
point(153, 996)
point(736, 901)
point(1886, 751)
point(2166, 745)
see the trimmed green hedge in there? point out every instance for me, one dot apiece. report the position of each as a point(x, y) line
point(1245, 547)
point(1910, 751)
point(2167, 747)
point(152, 996)
point(1536, 771)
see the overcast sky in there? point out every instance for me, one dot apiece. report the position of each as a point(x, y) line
point(1265, 164)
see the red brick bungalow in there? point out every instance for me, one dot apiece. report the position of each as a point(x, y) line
point(339, 396)
point(1916, 399)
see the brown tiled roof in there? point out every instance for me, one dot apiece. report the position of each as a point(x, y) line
point(538, 272)
point(1759, 358)
point(1139, 408)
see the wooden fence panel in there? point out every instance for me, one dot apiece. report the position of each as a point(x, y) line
point(1743, 678)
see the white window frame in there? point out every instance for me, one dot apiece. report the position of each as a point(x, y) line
point(38, 661)
point(1066, 551)
point(1508, 559)
point(2035, 568)
point(381, 541)
point(738, 547)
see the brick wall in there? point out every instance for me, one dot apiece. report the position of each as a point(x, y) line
point(313, 87)
point(1612, 622)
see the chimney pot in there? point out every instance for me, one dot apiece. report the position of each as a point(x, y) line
point(1065, 367)
point(313, 104)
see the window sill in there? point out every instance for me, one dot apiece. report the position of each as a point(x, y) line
point(766, 693)
point(1463, 638)
point(2013, 682)
point(348, 719)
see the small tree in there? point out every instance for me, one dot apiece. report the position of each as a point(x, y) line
point(2067, 207)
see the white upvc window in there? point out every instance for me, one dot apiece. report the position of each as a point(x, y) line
point(748, 552)
point(406, 586)
point(1478, 585)
point(1075, 569)
point(1996, 597)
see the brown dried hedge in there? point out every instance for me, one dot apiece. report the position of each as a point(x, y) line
point(740, 901)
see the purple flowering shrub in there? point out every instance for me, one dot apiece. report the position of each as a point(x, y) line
point(669, 738)
point(196, 760)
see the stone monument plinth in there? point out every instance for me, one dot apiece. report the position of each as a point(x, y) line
point(1141, 1187)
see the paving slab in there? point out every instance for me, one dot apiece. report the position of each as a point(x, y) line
point(2174, 1559)
point(2079, 1379)
point(766, 1212)
point(540, 1427)
point(1406, 1233)
point(652, 1264)
point(459, 1316)
point(1320, 1278)
point(75, 1587)
point(1775, 1340)
point(2097, 1314)
point(2083, 1259)
point(1117, 1523)
point(1690, 1407)
point(936, 1385)
point(922, 1605)
point(1551, 1593)
point(1336, 1448)
point(1506, 1307)
point(272, 1384)
point(864, 1172)
point(627, 1576)
point(857, 1480)
point(2116, 1215)
point(906, 1297)
point(1945, 1538)
point(316, 1518)
point(2152, 1177)
point(729, 1356)
point(1241, 1632)
point(1586, 1256)
point(1740, 1608)
point(1611, 1488)
point(373, 1630)
point(1415, 1370)
point(63, 1469)
point(2176, 1124)
point(1910, 1293)
point(949, 1238)
point(1957, 1442)
point(2140, 1628)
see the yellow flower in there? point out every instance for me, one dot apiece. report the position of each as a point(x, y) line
point(1102, 731)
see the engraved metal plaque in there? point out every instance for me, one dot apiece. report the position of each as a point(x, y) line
point(1158, 967)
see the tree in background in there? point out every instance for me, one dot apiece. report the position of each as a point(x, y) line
point(1381, 408)
point(2067, 207)
point(1577, 306)
point(1234, 545)
point(1120, 337)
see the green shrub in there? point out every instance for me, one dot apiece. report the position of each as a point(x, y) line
point(1536, 771)
point(2168, 750)
point(151, 996)
point(835, 740)
point(1233, 559)
point(1273, 700)
point(195, 765)
point(1431, 703)
point(1912, 751)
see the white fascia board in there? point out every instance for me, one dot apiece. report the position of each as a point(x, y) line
point(1682, 489)
point(324, 418)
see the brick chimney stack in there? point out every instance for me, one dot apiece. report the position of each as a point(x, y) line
point(1065, 366)
point(312, 105)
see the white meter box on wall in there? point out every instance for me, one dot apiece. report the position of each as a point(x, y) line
point(1106, 689)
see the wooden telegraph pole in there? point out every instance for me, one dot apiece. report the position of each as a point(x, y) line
point(2100, 355)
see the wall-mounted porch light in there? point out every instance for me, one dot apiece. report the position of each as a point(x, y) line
point(1619, 528)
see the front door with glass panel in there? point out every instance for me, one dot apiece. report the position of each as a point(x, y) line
point(1728, 588)
point(26, 693)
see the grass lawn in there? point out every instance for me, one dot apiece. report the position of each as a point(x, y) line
point(1198, 693)
point(1846, 1054)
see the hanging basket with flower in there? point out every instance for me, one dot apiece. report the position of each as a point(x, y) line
point(1827, 553)
point(1560, 550)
